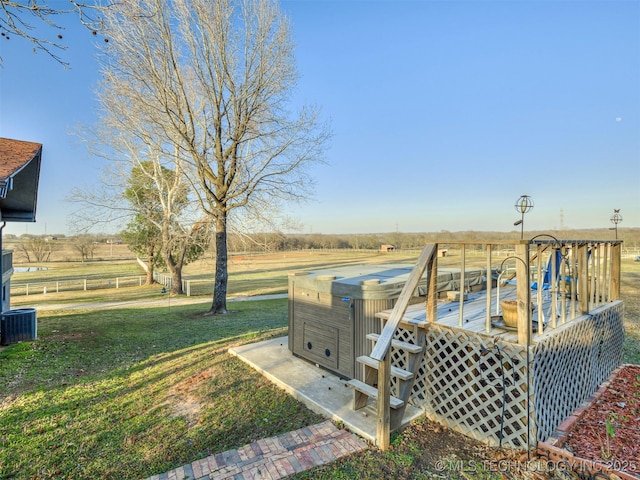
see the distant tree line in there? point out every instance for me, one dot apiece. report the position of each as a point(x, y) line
point(39, 248)
point(274, 242)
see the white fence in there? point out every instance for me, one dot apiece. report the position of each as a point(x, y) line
point(57, 286)
point(191, 288)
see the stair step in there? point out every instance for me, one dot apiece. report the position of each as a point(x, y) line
point(372, 392)
point(395, 371)
point(409, 347)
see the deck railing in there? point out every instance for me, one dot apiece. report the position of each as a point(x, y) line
point(575, 276)
point(565, 278)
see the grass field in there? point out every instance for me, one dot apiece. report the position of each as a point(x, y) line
point(130, 392)
point(248, 274)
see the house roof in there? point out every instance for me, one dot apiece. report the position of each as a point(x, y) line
point(19, 177)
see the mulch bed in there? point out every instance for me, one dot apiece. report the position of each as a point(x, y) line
point(608, 432)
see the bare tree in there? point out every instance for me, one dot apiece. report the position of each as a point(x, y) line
point(85, 245)
point(36, 249)
point(24, 18)
point(213, 82)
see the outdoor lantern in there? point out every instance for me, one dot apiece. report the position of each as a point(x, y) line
point(523, 205)
point(616, 218)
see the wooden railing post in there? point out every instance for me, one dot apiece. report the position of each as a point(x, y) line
point(583, 278)
point(463, 255)
point(615, 271)
point(523, 293)
point(540, 282)
point(489, 289)
point(432, 292)
point(383, 433)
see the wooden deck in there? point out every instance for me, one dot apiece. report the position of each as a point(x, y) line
point(505, 386)
point(460, 382)
point(474, 318)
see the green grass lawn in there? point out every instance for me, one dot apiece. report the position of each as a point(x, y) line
point(129, 393)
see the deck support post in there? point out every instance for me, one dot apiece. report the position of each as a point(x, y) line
point(383, 433)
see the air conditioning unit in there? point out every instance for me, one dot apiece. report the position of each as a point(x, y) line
point(18, 325)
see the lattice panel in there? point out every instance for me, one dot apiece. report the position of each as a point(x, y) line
point(571, 364)
point(475, 387)
point(609, 324)
point(399, 358)
point(462, 374)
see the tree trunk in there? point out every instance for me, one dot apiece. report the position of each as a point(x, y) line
point(150, 261)
point(176, 280)
point(176, 273)
point(175, 268)
point(219, 304)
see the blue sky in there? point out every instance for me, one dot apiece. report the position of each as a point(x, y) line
point(443, 114)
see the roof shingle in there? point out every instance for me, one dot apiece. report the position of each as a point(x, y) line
point(15, 154)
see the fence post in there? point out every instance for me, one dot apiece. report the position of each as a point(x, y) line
point(57, 287)
point(27, 289)
point(188, 288)
point(85, 284)
point(117, 282)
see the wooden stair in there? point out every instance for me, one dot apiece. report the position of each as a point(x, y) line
point(378, 368)
point(410, 347)
point(363, 390)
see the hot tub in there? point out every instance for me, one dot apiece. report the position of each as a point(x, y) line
point(331, 311)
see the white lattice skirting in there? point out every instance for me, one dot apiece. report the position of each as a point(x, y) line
point(488, 389)
point(570, 365)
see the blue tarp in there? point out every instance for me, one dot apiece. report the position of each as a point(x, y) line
point(546, 279)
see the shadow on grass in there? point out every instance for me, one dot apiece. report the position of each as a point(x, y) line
point(156, 389)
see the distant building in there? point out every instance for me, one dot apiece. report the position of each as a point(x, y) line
point(387, 248)
point(19, 177)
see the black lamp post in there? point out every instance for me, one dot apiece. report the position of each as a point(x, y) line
point(616, 218)
point(523, 205)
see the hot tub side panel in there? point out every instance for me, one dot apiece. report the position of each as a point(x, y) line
point(321, 329)
point(366, 322)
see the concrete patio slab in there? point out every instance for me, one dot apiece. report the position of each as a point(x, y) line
point(320, 390)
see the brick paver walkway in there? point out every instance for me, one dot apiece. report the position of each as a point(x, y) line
point(273, 458)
